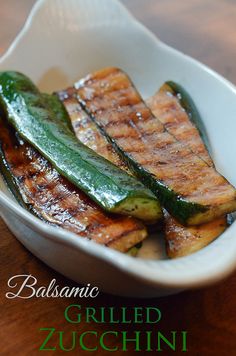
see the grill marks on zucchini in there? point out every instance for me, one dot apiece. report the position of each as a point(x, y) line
point(52, 198)
point(190, 108)
point(166, 106)
point(87, 131)
point(190, 190)
point(113, 189)
point(55, 200)
point(182, 240)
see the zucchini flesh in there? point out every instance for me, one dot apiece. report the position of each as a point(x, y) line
point(189, 189)
point(190, 108)
point(89, 134)
point(167, 106)
point(40, 188)
point(87, 131)
point(110, 187)
point(180, 240)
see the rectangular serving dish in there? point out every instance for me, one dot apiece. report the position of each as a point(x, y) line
point(62, 41)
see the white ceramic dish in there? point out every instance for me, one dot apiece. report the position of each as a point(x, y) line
point(63, 40)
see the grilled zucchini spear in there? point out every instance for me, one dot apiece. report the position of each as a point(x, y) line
point(113, 189)
point(192, 191)
point(41, 189)
point(177, 112)
point(180, 240)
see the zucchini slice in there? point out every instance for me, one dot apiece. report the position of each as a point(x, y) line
point(167, 107)
point(110, 187)
point(180, 240)
point(89, 134)
point(189, 189)
point(40, 188)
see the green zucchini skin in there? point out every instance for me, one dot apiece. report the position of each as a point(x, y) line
point(179, 207)
point(189, 106)
point(187, 187)
point(111, 188)
point(39, 188)
point(58, 109)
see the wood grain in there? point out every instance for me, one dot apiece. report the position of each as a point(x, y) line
point(205, 29)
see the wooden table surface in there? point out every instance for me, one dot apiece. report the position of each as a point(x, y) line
point(206, 30)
